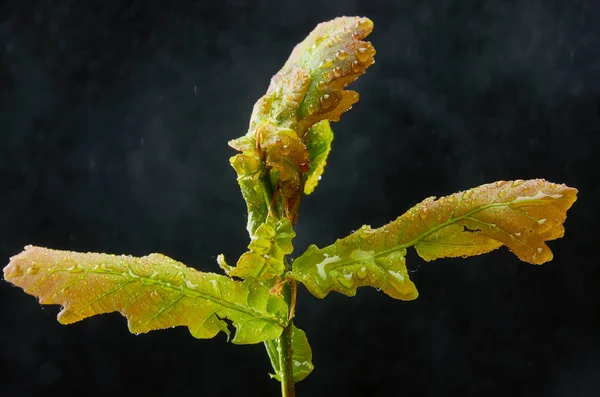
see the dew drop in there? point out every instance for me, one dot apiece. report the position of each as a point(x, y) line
point(33, 270)
point(347, 280)
point(341, 55)
point(337, 71)
point(190, 285)
point(326, 100)
point(327, 62)
point(355, 66)
point(362, 273)
point(321, 85)
point(541, 221)
point(362, 54)
point(75, 269)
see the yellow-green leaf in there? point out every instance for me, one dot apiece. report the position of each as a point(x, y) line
point(301, 356)
point(267, 250)
point(521, 215)
point(318, 140)
point(352, 262)
point(152, 292)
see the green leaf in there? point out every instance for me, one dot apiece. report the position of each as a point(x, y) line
point(301, 357)
point(318, 143)
point(255, 191)
point(521, 215)
point(152, 292)
point(352, 262)
point(267, 250)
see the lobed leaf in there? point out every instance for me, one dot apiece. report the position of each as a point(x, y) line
point(334, 54)
point(301, 356)
point(352, 262)
point(152, 292)
point(521, 215)
point(318, 143)
point(267, 250)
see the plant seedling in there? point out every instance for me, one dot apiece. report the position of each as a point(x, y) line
point(282, 157)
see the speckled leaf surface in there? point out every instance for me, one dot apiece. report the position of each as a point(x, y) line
point(152, 292)
point(522, 215)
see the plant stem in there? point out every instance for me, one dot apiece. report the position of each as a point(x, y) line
point(285, 361)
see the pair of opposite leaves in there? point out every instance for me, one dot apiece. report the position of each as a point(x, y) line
point(286, 147)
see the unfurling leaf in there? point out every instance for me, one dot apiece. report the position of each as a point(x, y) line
point(521, 215)
point(268, 248)
point(301, 356)
point(152, 292)
point(255, 191)
point(318, 143)
point(307, 90)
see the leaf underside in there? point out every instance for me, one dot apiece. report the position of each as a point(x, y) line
point(152, 292)
point(301, 356)
point(521, 215)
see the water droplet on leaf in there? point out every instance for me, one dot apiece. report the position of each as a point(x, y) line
point(341, 55)
point(362, 54)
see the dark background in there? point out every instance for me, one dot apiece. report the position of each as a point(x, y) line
point(114, 118)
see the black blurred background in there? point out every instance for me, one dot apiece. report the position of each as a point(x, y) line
point(114, 118)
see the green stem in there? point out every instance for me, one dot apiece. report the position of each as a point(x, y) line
point(285, 360)
point(283, 345)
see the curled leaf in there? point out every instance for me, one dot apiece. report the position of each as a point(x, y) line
point(318, 143)
point(301, 356)
point(152, 292)
point(335, 55)
point(255, 189)
point(267, 250)
point(521, 215)
point(307, 90)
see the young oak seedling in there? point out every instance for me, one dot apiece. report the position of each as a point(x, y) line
point(282, 157)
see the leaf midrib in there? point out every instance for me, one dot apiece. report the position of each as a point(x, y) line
point(185, 291)
point(450, 221)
